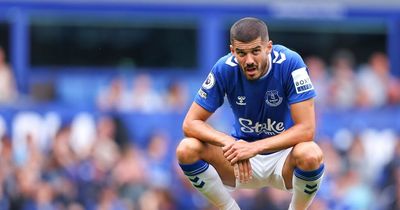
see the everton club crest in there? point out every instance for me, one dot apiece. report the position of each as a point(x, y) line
point(272, 98)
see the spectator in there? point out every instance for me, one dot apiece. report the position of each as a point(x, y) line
point(320, 78)
point(389, 184)
point(28, 137)
point(373, 81)
point(376, 159)
point(343, 88)
point(130, 174)
point(83, 134)
point(8, 91)
point(176, 98)
point(44, 197)
point(160, 170)
point(157, 199)
point(356, 194)
point(6, 171)
point(143, 97)
point(114, 97)
point(105, 149)
point(109, 200)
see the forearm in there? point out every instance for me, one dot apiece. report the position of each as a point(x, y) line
point(286, 139)
point(203, 131)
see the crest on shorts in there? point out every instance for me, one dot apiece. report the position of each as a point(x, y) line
point(272, 98)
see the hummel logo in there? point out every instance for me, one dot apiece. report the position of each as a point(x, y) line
point(195, 179)
point(241, 100)
point(196, 183)
point(281, 58)
point(199, 185)
point(311, 189)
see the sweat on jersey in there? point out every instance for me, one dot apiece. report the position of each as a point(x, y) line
point(260, 107)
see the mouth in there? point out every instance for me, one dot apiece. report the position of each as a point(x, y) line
point(251, 71)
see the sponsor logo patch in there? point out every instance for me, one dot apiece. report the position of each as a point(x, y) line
point(270, 127)
point(202, 94)
point(301, 80)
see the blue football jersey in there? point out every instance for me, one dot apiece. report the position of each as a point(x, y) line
point(260, 107)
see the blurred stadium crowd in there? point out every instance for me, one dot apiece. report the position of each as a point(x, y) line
point(91, 161)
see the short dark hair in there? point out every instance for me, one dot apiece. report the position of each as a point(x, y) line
point(248, 29)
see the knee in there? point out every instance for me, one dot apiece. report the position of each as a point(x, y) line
point(188, 151)
point(307, 155)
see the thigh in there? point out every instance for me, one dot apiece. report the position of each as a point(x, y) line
point(214, 156)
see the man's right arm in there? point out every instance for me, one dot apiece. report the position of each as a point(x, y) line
point(195, 126)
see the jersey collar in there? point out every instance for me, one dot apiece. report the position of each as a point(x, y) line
point(269, 66)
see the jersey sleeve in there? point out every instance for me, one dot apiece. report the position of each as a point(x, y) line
point(298, 83)
point(211, 94)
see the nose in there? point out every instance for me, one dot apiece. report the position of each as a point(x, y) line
point(249, 59)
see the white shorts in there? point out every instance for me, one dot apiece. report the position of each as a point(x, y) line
point(267, 171)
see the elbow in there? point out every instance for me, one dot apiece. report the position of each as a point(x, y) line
point(186, 128)
point(309, 133)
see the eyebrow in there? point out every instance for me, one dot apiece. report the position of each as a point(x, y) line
point(242, 50)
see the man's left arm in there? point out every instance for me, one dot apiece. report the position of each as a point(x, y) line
point(303, 115)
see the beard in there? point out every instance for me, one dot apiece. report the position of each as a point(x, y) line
point(254, 71)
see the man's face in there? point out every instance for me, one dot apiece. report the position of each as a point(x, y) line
point(252, 57)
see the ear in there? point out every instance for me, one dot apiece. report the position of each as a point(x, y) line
point(269, 47)
point(232, 49)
